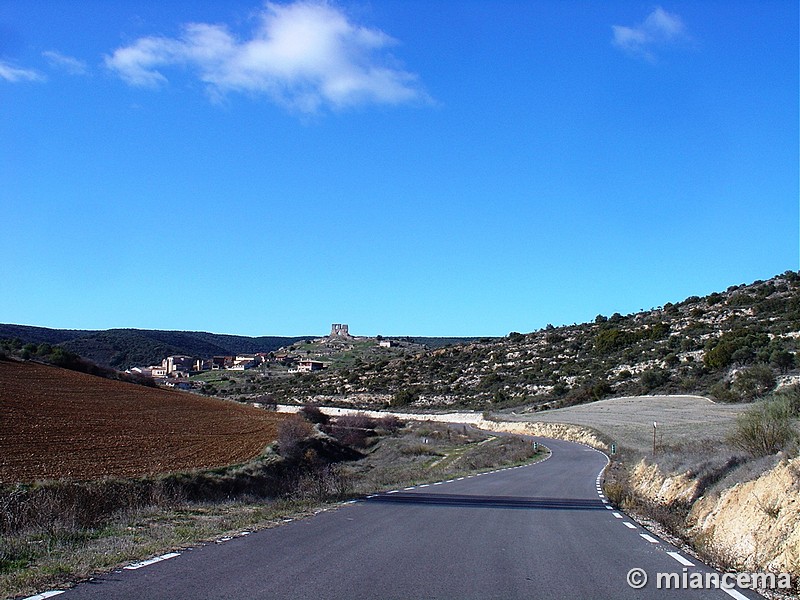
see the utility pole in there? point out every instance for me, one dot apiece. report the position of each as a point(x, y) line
point(655, 426)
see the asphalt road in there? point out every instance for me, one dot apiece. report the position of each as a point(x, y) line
point(537, 532)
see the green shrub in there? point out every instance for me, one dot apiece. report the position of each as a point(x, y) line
point(404, 397)
point(753, 382)
point(766, 428)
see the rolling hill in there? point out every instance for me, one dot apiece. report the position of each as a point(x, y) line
point(124, 348)
point(733, 345)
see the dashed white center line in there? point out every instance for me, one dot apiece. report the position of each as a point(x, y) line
point(734, 594)
point(649, 538)
point(152, 561)
point(629, 525)
point(685, 562)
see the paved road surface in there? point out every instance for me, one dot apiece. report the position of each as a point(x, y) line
point(535, 532)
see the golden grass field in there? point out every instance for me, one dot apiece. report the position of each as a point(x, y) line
point(629, 421)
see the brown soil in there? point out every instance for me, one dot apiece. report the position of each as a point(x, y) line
point(56, 423)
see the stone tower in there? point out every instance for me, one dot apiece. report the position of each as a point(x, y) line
point(339, 330)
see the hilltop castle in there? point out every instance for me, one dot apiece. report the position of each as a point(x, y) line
point(340, 330)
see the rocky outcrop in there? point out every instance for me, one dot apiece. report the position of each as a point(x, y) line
point(755, 524)
point(752, 525)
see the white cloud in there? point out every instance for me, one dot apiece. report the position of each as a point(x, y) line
point(15, 74)
point(659, 28)
point(71, 65)
point(303, 55)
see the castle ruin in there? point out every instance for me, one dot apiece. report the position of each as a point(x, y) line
point(340, 330)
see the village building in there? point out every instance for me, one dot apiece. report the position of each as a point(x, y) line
point(178, 365)
point(221, 362)
point(242, 363)
point(307, 366)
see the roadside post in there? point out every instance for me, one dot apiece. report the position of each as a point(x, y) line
point(655, 426)
point(613, 449)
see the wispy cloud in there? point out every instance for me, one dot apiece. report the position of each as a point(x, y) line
point(71, 65)
point(659, 28)
point(16, 74)
point(305, 55)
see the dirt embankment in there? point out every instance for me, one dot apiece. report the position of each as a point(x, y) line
point(752, 525)
point(60, 424)
point(561, 431)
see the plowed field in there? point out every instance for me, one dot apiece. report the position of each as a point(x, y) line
point(56, 423)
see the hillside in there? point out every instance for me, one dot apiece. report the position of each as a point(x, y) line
point(733, 345)
point(64, 424)
point(124, 348)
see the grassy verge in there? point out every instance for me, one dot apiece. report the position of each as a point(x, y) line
point(57, 533)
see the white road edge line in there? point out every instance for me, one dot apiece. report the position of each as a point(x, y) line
point(649, 538)
point(152, 561)
point(629, 525)
point(44, 595)
point(677, 556)
point(617, 515)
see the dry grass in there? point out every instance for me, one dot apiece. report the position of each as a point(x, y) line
point(55, 558)
point(426, 452)
point(629, 421)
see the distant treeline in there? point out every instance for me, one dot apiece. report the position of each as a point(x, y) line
point(125, 348)
point(44, 352)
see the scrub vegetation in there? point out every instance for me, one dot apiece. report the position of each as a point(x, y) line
point(733, 346)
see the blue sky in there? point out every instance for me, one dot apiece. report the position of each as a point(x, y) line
point(407, 167)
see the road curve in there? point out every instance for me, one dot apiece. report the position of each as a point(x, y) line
point(540, 531)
